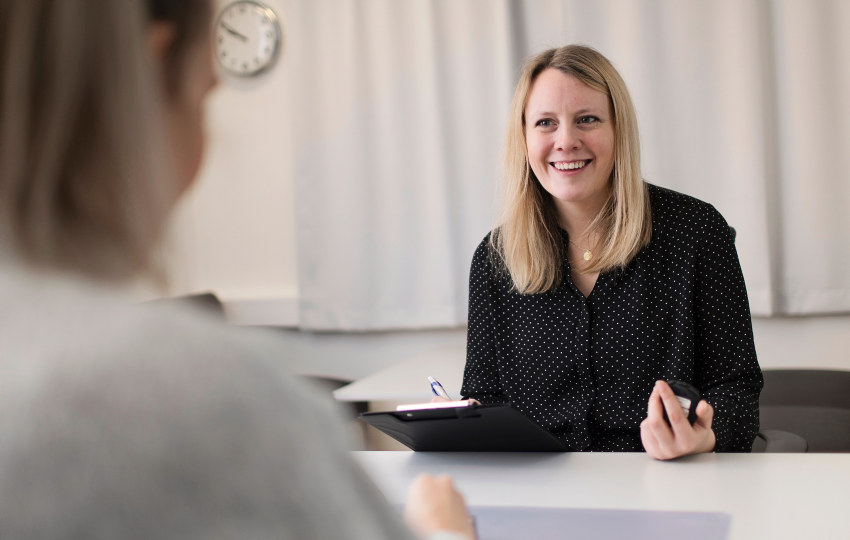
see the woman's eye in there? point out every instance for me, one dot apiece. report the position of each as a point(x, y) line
point(546, 122)
point(588, 120)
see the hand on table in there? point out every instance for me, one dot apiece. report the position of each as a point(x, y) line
point(667, 441)
point(434, 504)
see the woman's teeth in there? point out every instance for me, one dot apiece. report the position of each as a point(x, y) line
point(568, 166)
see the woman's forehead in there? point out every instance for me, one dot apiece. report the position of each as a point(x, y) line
point(555, 91)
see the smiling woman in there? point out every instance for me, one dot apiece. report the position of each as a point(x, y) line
point(569, 134)
point(570, 103)
point(596, 284)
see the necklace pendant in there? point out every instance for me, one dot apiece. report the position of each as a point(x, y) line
point(588, 255)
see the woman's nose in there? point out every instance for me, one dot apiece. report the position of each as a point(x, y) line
point(567, 137)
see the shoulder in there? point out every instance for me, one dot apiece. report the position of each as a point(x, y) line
point(488, 271)
point(142, 387)
point(485, 246)
point(485, 254)
point(679, 216)
point(669, 204)
point(76, 341)
point(487, 261)
point(66, 324)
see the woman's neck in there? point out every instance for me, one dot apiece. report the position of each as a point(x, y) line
point(577, 218)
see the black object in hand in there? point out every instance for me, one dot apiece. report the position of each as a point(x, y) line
point(688, 397)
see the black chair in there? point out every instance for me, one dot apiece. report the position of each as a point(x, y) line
point(777, 441)
point(812, 404)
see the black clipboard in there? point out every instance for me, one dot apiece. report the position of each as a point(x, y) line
point(473, 428)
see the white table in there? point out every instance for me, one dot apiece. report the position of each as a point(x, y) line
point(799, 496)
point(406, 382)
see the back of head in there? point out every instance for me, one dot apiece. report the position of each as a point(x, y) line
point(82, 185)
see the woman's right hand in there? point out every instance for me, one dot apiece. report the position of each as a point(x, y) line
point(668, 440)
point(434, 504)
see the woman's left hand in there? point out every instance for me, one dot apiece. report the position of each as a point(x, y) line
point(678, 438)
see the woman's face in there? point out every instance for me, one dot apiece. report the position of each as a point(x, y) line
point(569, 135)
point(185, 111)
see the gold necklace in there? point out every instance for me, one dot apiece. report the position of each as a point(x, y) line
point(587, 253)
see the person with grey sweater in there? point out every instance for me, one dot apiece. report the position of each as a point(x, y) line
point(152, 421)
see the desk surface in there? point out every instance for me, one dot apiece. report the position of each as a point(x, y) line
point(407, 381)
point(768, 495)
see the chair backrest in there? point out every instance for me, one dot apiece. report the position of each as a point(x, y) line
point(812, 403)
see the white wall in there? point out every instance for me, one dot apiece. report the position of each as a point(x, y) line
point(803, 342)
point(234, 234)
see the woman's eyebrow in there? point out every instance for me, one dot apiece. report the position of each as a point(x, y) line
point(541, 113)
point(586, 111)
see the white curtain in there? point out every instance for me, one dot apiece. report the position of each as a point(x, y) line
point(401, 108)
point(811, 213)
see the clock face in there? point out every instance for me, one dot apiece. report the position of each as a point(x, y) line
point(247, 38)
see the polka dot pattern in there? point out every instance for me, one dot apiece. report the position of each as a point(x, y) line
point(583, 368)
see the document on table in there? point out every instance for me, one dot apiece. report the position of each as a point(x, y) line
point(513, 522)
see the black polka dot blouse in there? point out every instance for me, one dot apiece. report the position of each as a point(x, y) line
point(583, 368)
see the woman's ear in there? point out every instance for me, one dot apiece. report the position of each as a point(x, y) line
point(160, 37)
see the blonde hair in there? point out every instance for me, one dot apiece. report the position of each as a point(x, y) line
point(527, 242)
point(83, 184)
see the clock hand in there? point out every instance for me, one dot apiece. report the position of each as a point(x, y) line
point(234, 33)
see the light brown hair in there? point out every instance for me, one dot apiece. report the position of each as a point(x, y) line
point(527, 241)
point(85, 181)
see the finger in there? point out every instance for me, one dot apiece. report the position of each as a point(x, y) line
point(705, 414)
point(653, 414)
point(678, 421)
point(420, 482)
point(445, 481)
point(705, 418)
point(656, 424)
point(650, 443)
point(654, 408)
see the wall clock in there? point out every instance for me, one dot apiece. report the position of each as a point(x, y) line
point(247, 38)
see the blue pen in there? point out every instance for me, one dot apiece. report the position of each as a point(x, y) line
point(438, 389)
